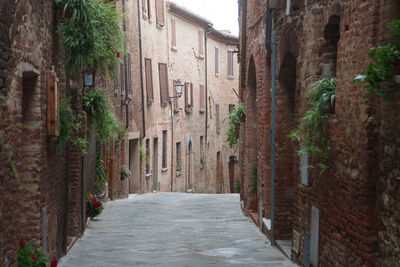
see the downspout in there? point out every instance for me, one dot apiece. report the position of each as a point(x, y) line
point(141, 72)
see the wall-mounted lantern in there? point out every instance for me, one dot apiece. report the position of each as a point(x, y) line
point(88, 78)
point(178, 85)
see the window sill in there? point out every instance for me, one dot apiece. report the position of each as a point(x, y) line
point(202, 167)
point(201, 57)
point(148, 175)
point(164, 105)
point(150, 21)
point(164, 170)
point(149, 102)
point(216, 74)
point(145, 17)
point(176, 111)
point(174, 49)
point(159, 26)
point(231, 77)
point(201, 111)
point(179, 173)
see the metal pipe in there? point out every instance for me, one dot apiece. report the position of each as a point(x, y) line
point(273, 130)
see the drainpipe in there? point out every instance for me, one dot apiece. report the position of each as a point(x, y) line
point(273, 128)
point(141, 72)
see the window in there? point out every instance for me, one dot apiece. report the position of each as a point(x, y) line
point(147, 156)
point(149, 81)
point(188, 96)
point(128, 75)
point(178, 157)
point(201, 146)
point(145, 9)
point(202, 97)
point(287, 7)
point(231, 108)
point(216, 61)
point(230, 64)
point(201, 47)
point(164, 149)
point(116, 89)
point(148, 9)
point(163, 75)
point(160, 12)
point(122, 72)
point(173, 33)
point(217, 117)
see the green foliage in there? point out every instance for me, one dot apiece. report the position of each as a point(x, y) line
point(235, 118)
point(142, 151)
point(99, 112)
point(311, 133)
point(202, 161)
point(382, 69)
point(237, 186)
point(100, 174)
point(28, 256)
point(71, 127)
point(91, 35)
point(94, 207)
point(254, 175)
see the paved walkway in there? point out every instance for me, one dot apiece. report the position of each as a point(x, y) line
point(172, 229)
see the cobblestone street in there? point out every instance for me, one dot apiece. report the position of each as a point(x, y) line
point(172, 229)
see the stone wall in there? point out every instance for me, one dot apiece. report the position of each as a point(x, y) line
point(356, 210)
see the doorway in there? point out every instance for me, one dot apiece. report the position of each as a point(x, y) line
point(155, 164)
point(231, 166)
point(134, 166)
point(189, 163)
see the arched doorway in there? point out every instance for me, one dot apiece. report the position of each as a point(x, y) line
point(250, 183)
point(286, 159)
point(189, 164)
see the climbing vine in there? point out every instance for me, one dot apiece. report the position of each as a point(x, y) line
point(91, 34)
point(311, 133)
point(235, 118)
point(384, 67)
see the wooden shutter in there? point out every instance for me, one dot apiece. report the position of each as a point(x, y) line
point(217, 117)
point(160, 12)
point(122, 72)
point(173, 32)
point(129, 76)
point(148, 9)
point(163, 77)
point(201, 50)
point(202, 108)
point(216, 61)
point(186, 97)
point(116, 89)
point(176, 103)
point(53, 118)
point(191, 95)
point(149, 80)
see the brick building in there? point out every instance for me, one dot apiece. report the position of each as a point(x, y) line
point(348, 215)
point(42, 186)
point(182, 141)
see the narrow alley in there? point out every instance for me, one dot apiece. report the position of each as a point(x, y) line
point(173, 229)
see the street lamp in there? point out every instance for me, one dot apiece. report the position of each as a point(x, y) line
point(178, 85)
point(88, 79)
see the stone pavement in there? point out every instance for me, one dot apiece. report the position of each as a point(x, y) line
point(173, 229)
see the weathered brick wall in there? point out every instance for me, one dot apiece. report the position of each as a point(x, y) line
point(350, 216)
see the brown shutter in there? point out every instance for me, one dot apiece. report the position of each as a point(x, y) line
point(216, 61)
point(148, 9)
point(149, 81)
point(201, 50)
point(191, 95)
point(173, 29)
point(160, 12)
point(176, 103)
point(122, 72)
point(186, 97)
point(202, 97)
point(53, 121)
point(116, 89)
point(163, 77)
